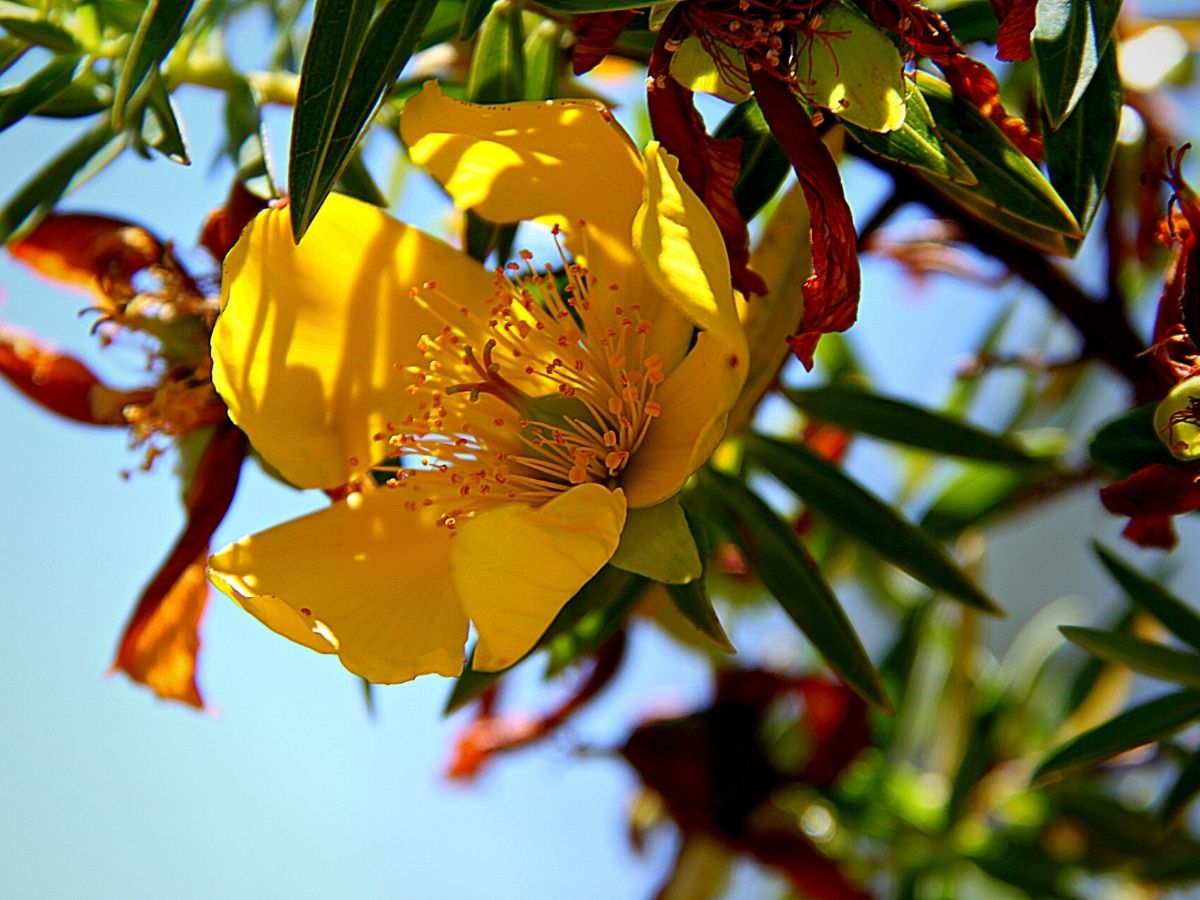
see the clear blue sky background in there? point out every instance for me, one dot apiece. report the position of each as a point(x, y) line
point(291, 790)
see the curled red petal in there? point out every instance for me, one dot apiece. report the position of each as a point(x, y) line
point(595, 36)
point(207, 499)
point(831, 293)
point(709, 165)
point(1017, 19)
point(1155, 532)
point(1159, 489)
point(224, 224)
point(88, 250)
point(61, 383)
point(928, 34)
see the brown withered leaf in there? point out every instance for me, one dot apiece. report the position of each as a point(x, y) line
point(1016, 18)
point(595, 36)
point(207, 500)
point(225, 224)
point(831, 293)
point(86, 250)
point(61, 383)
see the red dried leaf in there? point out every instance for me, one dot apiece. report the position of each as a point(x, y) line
point(811, 873)
point(207, 500)
point(87, 250)
point(709, 165)
point(595, 36)
point(1017, 19)
point(831, 293)
point(224, 224)
point(1150, 496)
point(61, 383)
point(928, 34)
point(491, 732)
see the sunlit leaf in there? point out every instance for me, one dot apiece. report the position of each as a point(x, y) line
point(1069, 41)
point(1148, 658)
point(1148, 595)
point(786, 570)
point(858, 409)
point(656, 542)
point(40, 33)
point(1132, 728)
point(1080, 151)
point(917, 143)
point(350, 61)
point(850, 507)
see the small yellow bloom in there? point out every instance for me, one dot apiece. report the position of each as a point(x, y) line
point(518, 417)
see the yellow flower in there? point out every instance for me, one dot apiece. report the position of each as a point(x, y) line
point(519, 419)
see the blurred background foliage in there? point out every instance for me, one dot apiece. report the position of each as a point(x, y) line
point(1007, 143)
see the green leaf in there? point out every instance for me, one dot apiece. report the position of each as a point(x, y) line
point(851, 68)
point(1080, 152)
point(71, 167)
point(848, 506)
point(917, 143)
point(787, 571)
point(38, 89)
point(979, 492)
point(1156, 660)
point(1129, 443)
point(1185, 788)
point(1132, 728)
point(1010, 191)
point(157, 31)
point(161, 128)
point(356, 181)
point(858, 409)
point(764, 163)
point(608, 588)
point(589, 6)
point(657, 542)
point(40, 33)
point(497, 71)
point(543, 60)
point(1178, 617)
point(484, 238)
point(694, 604)
point(348, 66)
point(473, 14)
point(587, 635)
point(87, 95)
point(246, 141)
point(1069, 41)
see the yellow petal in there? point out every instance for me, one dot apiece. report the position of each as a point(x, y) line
point(684, 252)
point(305, 348)
point(563, 159)
point(695, 404)
point(515, 566)
point(365, 579)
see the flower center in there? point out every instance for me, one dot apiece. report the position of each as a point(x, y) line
point(539, 389)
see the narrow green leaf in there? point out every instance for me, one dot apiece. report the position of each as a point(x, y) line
point(40, 33)
point(1069, 41)
point(1132, 728)
point(1179, 618)
point(1185, 788)
point(348, 66)
point(786, 570)
point(1156, 660)
point(71, 167)
point(87, 95)
point(1010, 191)
point(473, 14)
point(1128, 443)
point(11, 50)
point(1080, 152)
point(917, 143)
point(764, 163)
point(39, 88)
point(610, 587)
point(484, 237)
point(543, 60)
point(497, 71)
point(157, 31)
point(858, 409)
point(694, 604)
point(161, 128)
point(590, 6)
point(246, 142)
point(587, 635)
point(848, 506)
point(981, 491)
